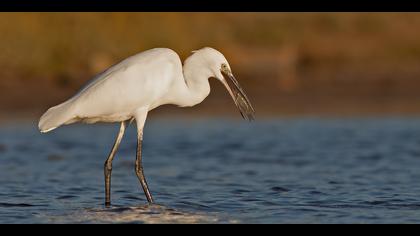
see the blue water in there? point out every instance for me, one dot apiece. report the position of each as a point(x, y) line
point(216, 171)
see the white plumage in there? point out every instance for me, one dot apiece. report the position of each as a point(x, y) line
point(140, 83)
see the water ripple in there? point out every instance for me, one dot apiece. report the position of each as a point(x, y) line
point(289, 171)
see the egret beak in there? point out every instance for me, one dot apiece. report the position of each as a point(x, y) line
point(238, 96)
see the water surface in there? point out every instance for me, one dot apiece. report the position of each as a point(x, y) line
point(216, 171)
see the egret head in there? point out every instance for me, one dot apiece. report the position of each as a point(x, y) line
point(220, 70)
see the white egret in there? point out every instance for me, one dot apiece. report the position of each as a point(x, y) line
point(128, 90)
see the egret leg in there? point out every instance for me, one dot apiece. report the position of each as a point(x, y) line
point(139, 168)
point(108, 164)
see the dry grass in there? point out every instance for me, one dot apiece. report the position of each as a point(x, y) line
point(362, 61)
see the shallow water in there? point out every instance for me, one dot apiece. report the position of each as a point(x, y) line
point(216, 171)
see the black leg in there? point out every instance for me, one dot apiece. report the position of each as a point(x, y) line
point(139, 168)
point(108, 164)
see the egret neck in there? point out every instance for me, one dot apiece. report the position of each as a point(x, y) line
point(196, 81)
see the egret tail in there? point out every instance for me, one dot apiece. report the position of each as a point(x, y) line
point(55, 117)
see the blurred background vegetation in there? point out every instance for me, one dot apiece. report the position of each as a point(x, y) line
point(334, 64)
